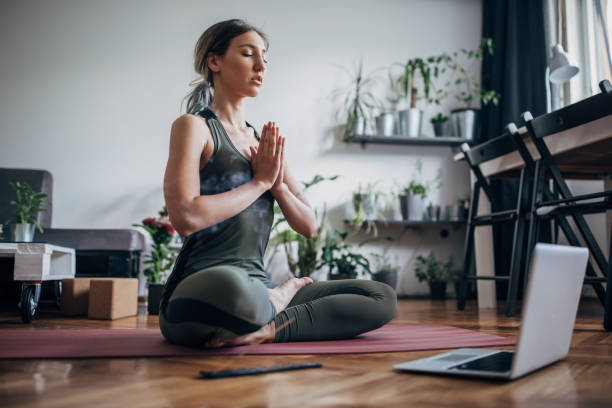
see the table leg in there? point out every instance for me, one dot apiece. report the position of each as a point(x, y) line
point(483, 248)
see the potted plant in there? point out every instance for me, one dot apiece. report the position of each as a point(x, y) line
point(367, 207)
point(385, 121)
point(441, 125)
point(452, 273)
point(301, 260)
point(465, 121)
point(161, 258)
point(303, 263)
point(27, 207)
point(358, 103)
point(383, 270)
point(412, 201)
point(405, 89)
point(431, 270)
point(340, 259)
point(412, 196)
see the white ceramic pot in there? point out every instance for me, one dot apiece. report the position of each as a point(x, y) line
point(412, 206)
point(23, 232)
point(410, 122)
point(385, 124)
point(465, 123)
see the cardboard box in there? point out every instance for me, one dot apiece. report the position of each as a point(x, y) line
point(112, 298)
point(74, 299)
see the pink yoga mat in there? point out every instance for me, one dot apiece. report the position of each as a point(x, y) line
point(59, 343)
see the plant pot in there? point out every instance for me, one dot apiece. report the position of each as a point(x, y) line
point(23, 232)
point(437, 290)
point(388, 277)
point(433, 212)
point(338, 276)
point(442, 128)
point(410, 122)
point(465, 123)
point(412, 207)
point(459, 211)
point(153, 297)
point(370, 204)
point(360, 126)
point(385, 124)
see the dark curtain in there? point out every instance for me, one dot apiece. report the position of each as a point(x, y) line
point(517, 71)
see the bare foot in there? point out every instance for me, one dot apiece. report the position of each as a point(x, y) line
point(281, 295)
point(264, 335)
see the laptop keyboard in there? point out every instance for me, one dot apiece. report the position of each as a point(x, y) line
point(499, 362)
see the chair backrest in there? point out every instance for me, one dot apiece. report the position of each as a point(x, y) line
point(510, 141)
point(39, 180)
point(576, 114)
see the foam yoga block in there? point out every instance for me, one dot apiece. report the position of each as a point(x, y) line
point(113, 298)
point(75, 296)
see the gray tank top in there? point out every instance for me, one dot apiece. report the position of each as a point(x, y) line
point(240, 240)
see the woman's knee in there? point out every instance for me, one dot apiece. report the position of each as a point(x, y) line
point(229, 289)
point(386, 301)
point(211, 283)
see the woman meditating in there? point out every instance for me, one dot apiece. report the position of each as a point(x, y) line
point(220, 185)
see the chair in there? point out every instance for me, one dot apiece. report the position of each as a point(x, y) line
point(559, 203)
point(476, 156)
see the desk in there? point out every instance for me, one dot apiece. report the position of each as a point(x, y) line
point(582, 152)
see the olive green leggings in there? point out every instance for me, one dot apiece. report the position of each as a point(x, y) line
point(225, 301)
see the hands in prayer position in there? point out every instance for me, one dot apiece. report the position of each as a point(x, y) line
point(268, 159)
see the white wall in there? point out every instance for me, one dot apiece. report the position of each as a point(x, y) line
point(89, 90)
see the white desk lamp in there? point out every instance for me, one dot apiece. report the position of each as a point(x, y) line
point(559, 70)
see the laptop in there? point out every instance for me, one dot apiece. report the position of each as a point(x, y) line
point(555, 283)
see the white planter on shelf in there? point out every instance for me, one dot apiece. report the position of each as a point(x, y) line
point(412, 206)
point(23, 232)
point(410, 122)
point(385, 124)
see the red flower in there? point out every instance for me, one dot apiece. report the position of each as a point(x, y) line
point(148, 221)
point(169, 227)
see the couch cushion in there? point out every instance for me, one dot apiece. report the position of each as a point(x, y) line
point(94, 239)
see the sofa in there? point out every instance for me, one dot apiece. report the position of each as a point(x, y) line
point(99, 252)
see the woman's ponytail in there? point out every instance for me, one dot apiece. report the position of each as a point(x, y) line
point(200, 97)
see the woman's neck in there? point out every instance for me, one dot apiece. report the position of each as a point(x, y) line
point(231, 113)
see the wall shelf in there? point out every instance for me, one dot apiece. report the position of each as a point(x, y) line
point(402, 140)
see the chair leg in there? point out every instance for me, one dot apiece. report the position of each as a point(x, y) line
point(468, 249)
point(573, 240)
point(579, 220)
point(533, 221)
point(517, 248)
point(515, 266)
point(467, 262)
point(608, 302)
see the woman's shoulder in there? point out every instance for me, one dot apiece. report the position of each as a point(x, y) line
point(189, 125)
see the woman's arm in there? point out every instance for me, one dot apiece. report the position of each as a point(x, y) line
point(289, 194)
point(295, 206)
point(188, 210)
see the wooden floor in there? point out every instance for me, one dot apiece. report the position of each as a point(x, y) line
point(584, 378)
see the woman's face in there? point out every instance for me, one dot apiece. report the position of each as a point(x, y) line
point(242, 69)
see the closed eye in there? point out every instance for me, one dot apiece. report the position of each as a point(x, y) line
point(250, 55)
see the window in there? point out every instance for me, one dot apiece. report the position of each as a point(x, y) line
point(584, 28)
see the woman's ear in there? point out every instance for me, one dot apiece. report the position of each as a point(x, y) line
point(213, 62)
